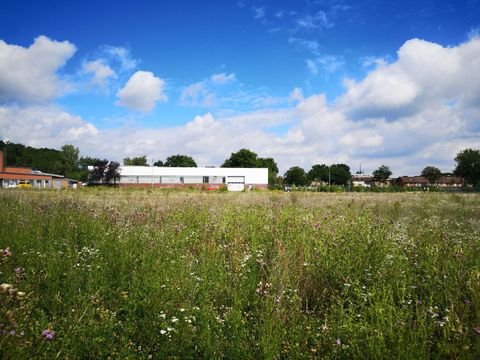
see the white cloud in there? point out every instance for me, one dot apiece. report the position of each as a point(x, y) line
point(198, 94)
point(203, 93)
point(222, 78)
point(418, 110)
point(122, 55)
point(101, 72)
point(296, 95)
point(328, 63)
point(425, 75)
point(318, 21)
point(43, 126)
point(258, 12)
point(30, 74)
point(142, 91)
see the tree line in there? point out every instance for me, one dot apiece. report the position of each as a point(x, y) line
point(67, 162)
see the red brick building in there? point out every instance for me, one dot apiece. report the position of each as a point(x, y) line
point(13, 176)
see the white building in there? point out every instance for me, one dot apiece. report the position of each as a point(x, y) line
point(235, 179)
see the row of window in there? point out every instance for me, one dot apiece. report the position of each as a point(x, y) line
point(173, 179)
point(30, 183)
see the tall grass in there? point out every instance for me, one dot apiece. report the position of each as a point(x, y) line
point(156, 274)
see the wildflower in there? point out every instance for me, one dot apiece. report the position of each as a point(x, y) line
point(4, 288)
point(6, 252)
point(48, 334)
point(163, 332)
point(19, 270)
point(338, 342)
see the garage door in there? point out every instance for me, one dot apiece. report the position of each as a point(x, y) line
point(236, 183)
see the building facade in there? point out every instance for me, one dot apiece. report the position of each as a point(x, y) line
point(233, 179)
point(16, 176)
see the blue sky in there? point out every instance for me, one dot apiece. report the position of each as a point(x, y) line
point(304, 82)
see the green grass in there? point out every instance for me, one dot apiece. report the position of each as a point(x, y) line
point(170, 274)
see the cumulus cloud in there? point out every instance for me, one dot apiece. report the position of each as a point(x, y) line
point(100, 72)
point(408, 113)
point(30, 74)
point(43, 126)
point(424, 75)
point(142, 91)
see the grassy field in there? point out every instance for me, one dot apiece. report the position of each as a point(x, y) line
point(157, 274)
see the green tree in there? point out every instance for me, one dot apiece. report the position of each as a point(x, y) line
point(243, 158)
point(432, 174)
point(295, 176)
point(272, 167)
point(136, 161)
point(180, 161)
point(104, 172)
point(70, 161)
point(318, 173)
point(112, 173)
point(158, 163)
point(97, 173)
point(338, 174)
point(468, 166)
point(382, 173)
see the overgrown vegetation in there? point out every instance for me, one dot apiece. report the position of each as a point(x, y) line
point(170, 274)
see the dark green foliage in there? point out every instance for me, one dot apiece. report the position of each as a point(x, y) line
point(337, 174)
point(180, 161)
point(136, 161)
point(105, 172)
point(46, 160)
point(112, 173)
point(468, 166)
point(295, 176)
point(432, 174)
point(382, 173)
point(158, 163)
point(245, 158)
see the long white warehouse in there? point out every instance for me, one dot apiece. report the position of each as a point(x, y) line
point(235, 179)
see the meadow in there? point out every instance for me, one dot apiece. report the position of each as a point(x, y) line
point(127, 274)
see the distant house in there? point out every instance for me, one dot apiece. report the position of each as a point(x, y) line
point(16, 176)
point(362, 180)
point(234, 179)
point(420, 181)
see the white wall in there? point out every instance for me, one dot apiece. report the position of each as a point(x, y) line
point(254, 176)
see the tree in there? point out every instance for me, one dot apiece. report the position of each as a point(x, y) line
point(295, 176)
point(96, 174)
point(243, 158)
point(338, 174)
point(180, 161)
point(70, 155)
point(272, 167)
point(432, 174)
point(112, 173)
point(468, 166)
point(318, 173)
point(158, 163)
point(103, 172)
point(382, 173)
point(136, 161)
